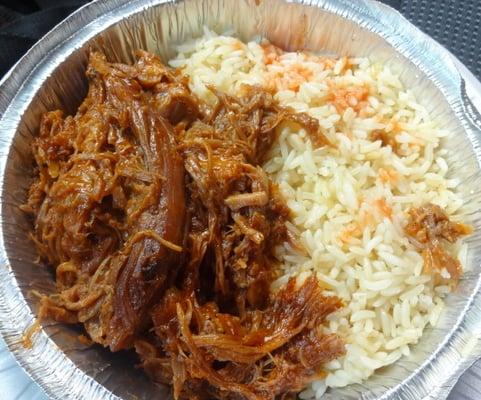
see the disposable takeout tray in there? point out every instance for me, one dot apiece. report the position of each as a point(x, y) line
point(51, 76)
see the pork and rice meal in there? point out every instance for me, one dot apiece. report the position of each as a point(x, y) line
point(253, 223)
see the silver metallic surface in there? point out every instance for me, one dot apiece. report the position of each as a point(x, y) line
point(15, 383)
point(51, 76)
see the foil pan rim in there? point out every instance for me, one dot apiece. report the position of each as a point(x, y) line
point(468, 326)
point(15, 314)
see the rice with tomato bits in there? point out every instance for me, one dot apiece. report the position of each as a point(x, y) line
point(350, 200)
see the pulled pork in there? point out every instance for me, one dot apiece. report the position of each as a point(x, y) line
point(429, 226)
point(386, 138)
point(160, 224)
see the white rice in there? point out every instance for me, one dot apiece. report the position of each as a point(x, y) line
point(349, 201)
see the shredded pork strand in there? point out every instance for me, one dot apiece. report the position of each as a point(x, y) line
point(429, 226)
point(160, 224)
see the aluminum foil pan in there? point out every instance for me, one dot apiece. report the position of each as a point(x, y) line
point(51, 76)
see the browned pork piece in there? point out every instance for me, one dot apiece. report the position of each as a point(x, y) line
point(110, 210)
point(386, 138)
point(161, 226)
point(266, 353)
point(429, 226)
point(239, 215)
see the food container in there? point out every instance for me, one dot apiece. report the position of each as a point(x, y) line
point(51, 76)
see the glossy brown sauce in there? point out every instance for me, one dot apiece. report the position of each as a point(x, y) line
point(160, 223)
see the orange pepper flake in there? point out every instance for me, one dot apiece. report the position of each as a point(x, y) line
point(363, 111)
point(395, 126)
point(351, 230)
point(238, 45)
point(388, 175)
point(342, 98)
point(327, 62)
point(290, 76)
point(385, 208)
point(271, 52)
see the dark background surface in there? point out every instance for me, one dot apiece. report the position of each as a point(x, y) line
point(453, 23)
